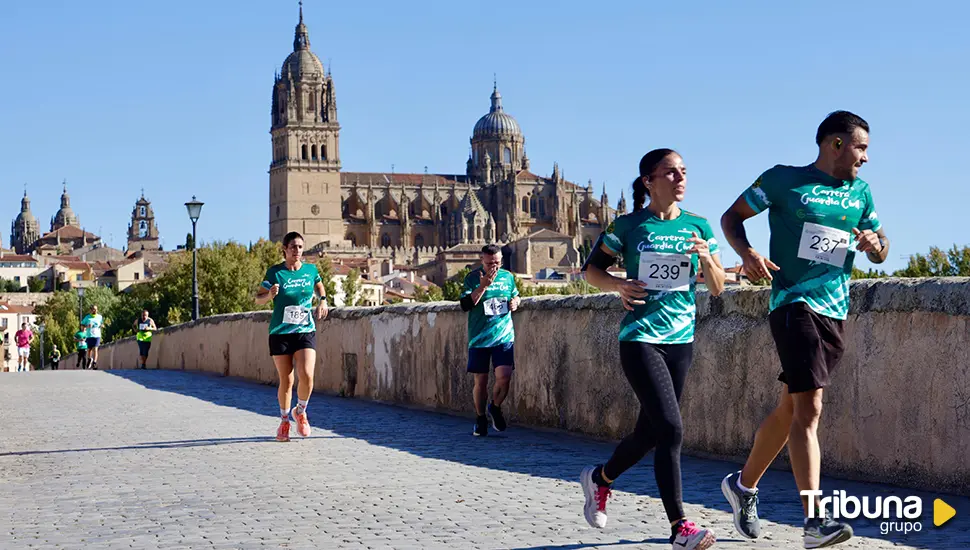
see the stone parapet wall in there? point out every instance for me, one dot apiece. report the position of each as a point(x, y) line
point(898, 409)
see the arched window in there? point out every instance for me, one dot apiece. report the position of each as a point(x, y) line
point(353, 239)
point(323, 152)
point(525, 204)
point(312, 104)
point(386, 240)
point(379, 210)
point(141, 211)
point(419, 241)
point(313, 152)
point(478, 232)
point(542, 206)
point(304, 149)
point(534, 205)
point(508, 156)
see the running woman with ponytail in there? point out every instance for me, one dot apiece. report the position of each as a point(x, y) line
point(664, 248)
point(292, 286)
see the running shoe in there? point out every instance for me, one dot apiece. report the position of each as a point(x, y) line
point(825, 532)
point(498, 421)
point(481, 426)
point(302, 424)
point(744, 504)
point(688, 537)
point(283, 432)
point(596, 497)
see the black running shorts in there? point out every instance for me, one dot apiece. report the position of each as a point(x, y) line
point(288, 344)
point(809, 345)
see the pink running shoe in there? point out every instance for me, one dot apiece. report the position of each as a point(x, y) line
point(596, 497)
point(283, 432)
point(689, 537)
point(302, 424)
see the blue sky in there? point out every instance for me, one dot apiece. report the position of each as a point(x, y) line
point(174, 97)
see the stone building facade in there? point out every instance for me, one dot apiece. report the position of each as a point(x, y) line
point(413, 218)
point(142, 231)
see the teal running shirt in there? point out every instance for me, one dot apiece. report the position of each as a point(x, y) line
point(490, 322)
point(654, 252)
point(811, 216)
point(292, 306)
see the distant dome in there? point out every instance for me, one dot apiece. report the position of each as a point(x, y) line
point(25, 215)
point(497, 123)
point(65, 216)
point(302, 63)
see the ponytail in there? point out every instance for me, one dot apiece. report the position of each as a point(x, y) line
point(648, 164)
point(640, 194)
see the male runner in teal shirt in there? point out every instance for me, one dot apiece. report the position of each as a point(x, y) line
point(490, 297)
point(819, 216)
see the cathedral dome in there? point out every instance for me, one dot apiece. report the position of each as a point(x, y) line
point(497, 123)
point(302, 62)
point(65, 216)
point(25, 216)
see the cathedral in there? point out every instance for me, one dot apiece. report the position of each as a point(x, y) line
point(415, 218)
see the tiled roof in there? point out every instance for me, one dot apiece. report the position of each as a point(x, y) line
point(381, 179)
point(8, 308)
point(17, 258)
point(68, 232)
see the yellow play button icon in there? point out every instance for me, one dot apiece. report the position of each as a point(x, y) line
point(942, 512)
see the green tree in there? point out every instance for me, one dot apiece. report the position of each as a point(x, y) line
point(189, 242)
point(579, 286)
point(584, 252)
point(351, 287)
point(36, 284)
point(9, 286)
point(453, 287)
point(938, 263)
point(871, 274)
point(432, 294)
point(325, 266)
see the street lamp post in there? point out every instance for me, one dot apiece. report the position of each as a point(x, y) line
point(40, 329)
point(195, 210)
point(80, 303)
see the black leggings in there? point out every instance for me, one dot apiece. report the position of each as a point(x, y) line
point(657, 373)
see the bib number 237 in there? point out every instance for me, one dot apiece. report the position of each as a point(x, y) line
point(670, 272)
point(823, 244)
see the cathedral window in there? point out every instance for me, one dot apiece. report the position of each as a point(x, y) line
point(386, 240)
point(304, 150)
point(141, 211)
point(552, 253)
point(508, 156)
point(542, 207)
point(379, 210)
point(312, 104)
point(419, 241)
point(323, 152)
point(478, 233)
point(525, 204)
point(313, 152)
point(534, 205)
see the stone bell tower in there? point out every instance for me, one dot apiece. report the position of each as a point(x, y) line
point(304, 176)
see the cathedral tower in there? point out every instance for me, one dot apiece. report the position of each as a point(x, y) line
point(142, 231)
point(25, 229)
point(304, 176)
point(65, 216)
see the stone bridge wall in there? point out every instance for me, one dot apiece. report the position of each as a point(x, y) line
point(898, 410)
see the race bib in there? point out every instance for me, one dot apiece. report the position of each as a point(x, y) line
point(670, 272)
point(143, 326)
point(295, 315)
point(496, 306)
point(823, 244)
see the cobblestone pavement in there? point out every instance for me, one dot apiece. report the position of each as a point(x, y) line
point(157, 459)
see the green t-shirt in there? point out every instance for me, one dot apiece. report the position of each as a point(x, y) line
point(80, 340)
point(811, 216)
point(292, 306)
point(490, 322)
point(93, 322)
point(657, 247)
point(144, 333)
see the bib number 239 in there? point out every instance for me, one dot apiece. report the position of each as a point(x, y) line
point(670, 272)
point(823, 244)
point(295, 315)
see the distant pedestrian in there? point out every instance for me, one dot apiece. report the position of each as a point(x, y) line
point(81, 345)
point(145, 327)
point(55, 357)
point(23, 338)
point(93, 322)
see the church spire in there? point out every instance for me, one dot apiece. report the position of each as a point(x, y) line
point(301, 38)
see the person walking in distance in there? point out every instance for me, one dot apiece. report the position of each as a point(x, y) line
point(490, 297)
point(81, 345)
point(292, 286)
point(55, 357)
point(664, 248)
point(93, 322)
point(22, 338)
point(820, 215)
point(144, 328)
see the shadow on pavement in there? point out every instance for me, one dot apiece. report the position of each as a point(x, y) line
point(164, 445)
point(549, 454)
